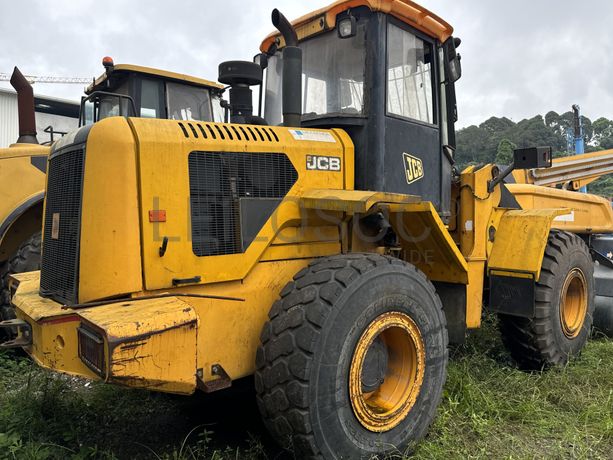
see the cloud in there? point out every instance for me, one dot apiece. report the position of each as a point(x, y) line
point(520, 58)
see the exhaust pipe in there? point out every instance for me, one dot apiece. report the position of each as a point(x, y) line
point(25, 108)
point(292, 71)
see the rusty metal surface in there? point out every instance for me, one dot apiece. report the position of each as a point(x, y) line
point(224, 381)
point(25, 104)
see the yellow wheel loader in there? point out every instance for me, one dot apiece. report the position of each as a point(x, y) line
point(325, 246)
point(123, 89)
point(22, 183)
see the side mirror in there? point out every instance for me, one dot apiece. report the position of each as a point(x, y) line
point(261, 60)
point(453, 66)
point(532, 158)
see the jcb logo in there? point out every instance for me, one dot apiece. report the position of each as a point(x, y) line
point(319, 163)
point(414, 168)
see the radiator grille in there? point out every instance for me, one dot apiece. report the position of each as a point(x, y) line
point(59, 267)
point(220, 183)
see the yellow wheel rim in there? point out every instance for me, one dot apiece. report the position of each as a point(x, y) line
point(386, 406)
point(573, 303)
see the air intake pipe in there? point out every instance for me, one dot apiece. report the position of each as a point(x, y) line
point(292, 71)
point(25, 108)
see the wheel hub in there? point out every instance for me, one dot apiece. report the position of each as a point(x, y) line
point(375, 366)
point(573, 303)
point(387, 371)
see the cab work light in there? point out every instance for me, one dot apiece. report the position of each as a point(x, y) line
point(347, 27)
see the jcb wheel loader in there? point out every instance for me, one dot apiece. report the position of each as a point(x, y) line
point(121, 90)
point(325, 246)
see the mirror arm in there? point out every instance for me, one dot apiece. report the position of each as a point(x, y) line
point(491, 185)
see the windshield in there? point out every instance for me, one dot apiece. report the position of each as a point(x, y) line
point(332, 77)
point(188, 102)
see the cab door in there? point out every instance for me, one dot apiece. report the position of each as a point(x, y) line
point(412, 134)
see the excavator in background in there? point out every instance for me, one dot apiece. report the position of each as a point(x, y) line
point(122, 89)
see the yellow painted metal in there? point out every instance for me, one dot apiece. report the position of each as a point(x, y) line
point(476, 206)
point(521, 240)
point(586, 213)
point(20, 182)
point(405, 10)
point(426, 243)
point(527, 276)
point(229, 331)
point(307, 234)
point(475, 216)
point(384, 408)
point(164, 184)
point(151, 72)
point(150, 343)
point(423, 236)
point(474, 293)
point(54, 329)
point(573, 303)
point(302, 251)
point(350, 201)
point(110, 247)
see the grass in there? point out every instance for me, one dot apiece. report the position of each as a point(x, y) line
point(490, 410)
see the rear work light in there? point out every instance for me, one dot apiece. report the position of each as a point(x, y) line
point(91, 350)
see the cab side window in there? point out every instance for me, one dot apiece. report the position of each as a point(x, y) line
point(410, 92)
point(150, 101)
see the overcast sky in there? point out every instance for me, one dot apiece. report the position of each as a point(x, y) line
point(520, 58)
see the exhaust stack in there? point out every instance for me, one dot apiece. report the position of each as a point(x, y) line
point(25, 107)
point(292, 71)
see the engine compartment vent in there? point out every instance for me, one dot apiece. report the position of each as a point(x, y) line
point(232, 195)
point(227, 132)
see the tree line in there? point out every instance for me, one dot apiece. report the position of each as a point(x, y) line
point(494, 140)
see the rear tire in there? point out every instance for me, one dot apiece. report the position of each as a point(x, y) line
point(26, 259)
point(342, 330)
point(564, 307)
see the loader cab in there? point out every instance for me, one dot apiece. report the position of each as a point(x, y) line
point(136, 91)
point(389, 82)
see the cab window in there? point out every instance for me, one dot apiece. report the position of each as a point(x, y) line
point(410, 92)
point(188, 102)
point(150, 104)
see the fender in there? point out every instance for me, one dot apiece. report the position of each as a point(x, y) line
point(514, 263)
point(422, 235)
point(18, 212)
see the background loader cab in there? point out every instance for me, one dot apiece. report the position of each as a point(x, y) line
point(123, 90)
point(389, 85)
point(136, 91)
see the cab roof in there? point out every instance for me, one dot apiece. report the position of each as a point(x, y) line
point(405, 10)
point(164, 74)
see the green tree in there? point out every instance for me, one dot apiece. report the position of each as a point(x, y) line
point(602, 187)
point(603, 133)
point(504, 153)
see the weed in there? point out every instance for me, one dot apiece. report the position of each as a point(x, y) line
point(490, 409)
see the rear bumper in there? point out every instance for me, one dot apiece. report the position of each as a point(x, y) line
point(145, 344)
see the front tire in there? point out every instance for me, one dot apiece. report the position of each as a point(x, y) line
point(564, 307)
point(353, 360)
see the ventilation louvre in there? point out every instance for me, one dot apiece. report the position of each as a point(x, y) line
point(62, 220)
point(232, 195)
point(227, 132)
